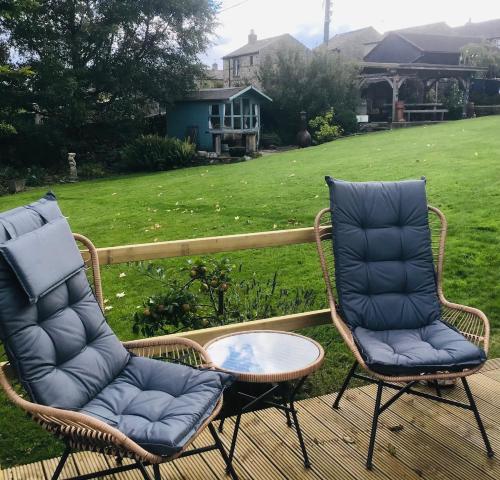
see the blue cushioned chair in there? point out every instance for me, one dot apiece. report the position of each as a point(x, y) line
point(381, 249)
point(145, 400)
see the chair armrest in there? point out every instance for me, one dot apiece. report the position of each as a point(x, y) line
point(76, 427)
point(471, 322)
point(171, 348)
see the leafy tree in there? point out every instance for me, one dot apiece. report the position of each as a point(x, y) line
point(483, 55)
point(314, 83)
point(96, 61)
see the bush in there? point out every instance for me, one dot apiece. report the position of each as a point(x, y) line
point(36, 176)
point(324, 128)
point(154, 153)
point(347, 121)
point(270, 139)
point(7, 130)
point(91, 170)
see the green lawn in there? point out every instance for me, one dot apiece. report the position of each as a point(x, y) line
point(461, 161)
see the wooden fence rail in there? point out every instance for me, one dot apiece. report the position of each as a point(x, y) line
point(230, 243)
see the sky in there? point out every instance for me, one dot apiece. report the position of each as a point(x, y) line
point(304, 18)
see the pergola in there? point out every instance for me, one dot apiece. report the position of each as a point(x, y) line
point(396, 74)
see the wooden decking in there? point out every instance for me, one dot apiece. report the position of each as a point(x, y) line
point(417, 439)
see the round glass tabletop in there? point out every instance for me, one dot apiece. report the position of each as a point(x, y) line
point(266, 355)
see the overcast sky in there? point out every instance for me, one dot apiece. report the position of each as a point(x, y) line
point(304, 18)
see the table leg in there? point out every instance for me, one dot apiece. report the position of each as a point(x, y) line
point(293, 411)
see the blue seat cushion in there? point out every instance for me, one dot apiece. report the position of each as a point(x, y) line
point(159, 405)
point(384, 269)
point(433, 348)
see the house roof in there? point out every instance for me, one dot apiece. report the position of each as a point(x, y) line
point(222, 94)
point(256, 46)
point(367, 34)
point(438, 43)
point(488, 29)
point(438, 28)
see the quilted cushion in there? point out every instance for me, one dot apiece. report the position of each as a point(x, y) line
point(159, 405)
point(434, 347)
point(61, 346)
point(384, 269)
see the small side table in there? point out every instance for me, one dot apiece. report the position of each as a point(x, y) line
point(281, 359)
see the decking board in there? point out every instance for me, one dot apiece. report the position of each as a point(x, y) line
point(437, 442)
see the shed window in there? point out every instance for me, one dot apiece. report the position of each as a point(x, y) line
point(214, 116)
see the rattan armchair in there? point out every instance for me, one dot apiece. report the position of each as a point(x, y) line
point(471, 322)
point(81, 432)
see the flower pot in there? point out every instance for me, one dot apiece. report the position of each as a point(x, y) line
point(17, 185)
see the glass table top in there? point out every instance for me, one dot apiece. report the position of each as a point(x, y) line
point(263, 352)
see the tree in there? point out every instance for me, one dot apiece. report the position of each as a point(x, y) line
point(483, 55)
point(314, 83)
point(96, 61)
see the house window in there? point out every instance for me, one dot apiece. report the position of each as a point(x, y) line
point(251, 60)
point(214, 116)
point(236, 67)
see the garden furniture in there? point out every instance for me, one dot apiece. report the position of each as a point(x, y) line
point(279, 362)
point(146, 400)
point(381, 249)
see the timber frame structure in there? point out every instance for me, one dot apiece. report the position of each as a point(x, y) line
point(396, 74)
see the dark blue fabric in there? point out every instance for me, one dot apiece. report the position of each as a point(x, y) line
point(43, 268)
point(67, 356)
point(433, 348)
point(62, 347)
point(158, 405)
point(384, 270)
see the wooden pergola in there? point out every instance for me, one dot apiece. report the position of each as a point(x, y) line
point(396, 74)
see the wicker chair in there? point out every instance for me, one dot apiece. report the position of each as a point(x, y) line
point(471, 322)
point(82, 432)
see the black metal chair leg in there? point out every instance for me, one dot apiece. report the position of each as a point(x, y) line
point(373, 434)
point(228, 461)
point(156, 471)
point(307, 463)
point(345, 385)
point(61, 463)
point(143, 470)
point(478, 417)
point(221, 424)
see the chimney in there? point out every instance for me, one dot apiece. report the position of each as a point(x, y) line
point(215, 66)
point(252, 38)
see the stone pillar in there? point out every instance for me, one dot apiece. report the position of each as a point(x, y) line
point(251, 143)
point(218, 143)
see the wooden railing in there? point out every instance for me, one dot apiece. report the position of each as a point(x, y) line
point(230, 243)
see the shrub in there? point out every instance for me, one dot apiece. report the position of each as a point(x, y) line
point(324, 129)
point(347, 121)
point(154, 153)
point(36, 176)
point(270, 139)
point(210, 296)
point(7, 130)
point(91, 170)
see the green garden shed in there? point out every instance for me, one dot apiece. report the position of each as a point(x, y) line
point(215, 117)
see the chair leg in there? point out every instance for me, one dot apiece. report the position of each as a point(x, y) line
point(156, 471)
point(61, 463)
point(472, 403)
point(438, 388)
point(345, 385)
point(143, 470)
point(373, 434)
point(222, 450)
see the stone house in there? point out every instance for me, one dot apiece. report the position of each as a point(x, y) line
point(241, 67)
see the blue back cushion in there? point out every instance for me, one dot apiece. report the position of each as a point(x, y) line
point(384, 270)
point(53, 330)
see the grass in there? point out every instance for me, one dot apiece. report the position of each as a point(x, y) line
point(461, 161)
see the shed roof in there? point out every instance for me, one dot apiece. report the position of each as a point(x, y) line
point(257, 46)
point(222, 94)
point(438, 43)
